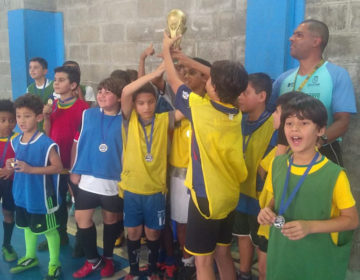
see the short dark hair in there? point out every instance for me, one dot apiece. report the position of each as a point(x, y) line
point(261, 82)
point(72, 63)
point(72, 72)
point(6, 105)
point(229, 79)
point(202, 61)
point(147, 88)
point(41, 60)
point(114, 85)
point(319, 28)
point(120, 74)
point(31, 101)
point(133, 74)
point(304, 106)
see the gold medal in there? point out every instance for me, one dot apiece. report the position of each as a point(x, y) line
point(50, 102)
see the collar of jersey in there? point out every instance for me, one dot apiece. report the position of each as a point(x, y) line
point(300, 169)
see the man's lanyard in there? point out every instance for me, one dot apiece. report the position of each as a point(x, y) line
point(322, 61)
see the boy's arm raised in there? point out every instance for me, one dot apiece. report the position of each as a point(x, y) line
point(190, 63)
point(130, 89)
point(172, 76)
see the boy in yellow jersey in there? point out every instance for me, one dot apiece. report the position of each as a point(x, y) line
point(143, 178)
point(257, 130)
point(277, 146)
point(179, 161)
point(313, 210)
point(216, 166)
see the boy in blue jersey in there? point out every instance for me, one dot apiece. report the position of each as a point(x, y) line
point(96, 171)
point(7, 124)
point(36, 185)
point(257, 129)
point(216, 166)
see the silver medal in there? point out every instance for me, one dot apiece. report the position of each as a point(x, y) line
point(148, 158)
point(103, 148)
point(279, 221)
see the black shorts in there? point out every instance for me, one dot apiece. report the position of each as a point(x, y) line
point(246, 225)
point(6, 195)
point(85, 200)
point(203, 235)
point(38, 223)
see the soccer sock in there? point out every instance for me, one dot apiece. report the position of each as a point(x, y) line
point(134, 253)
point(109, 237)
point(153, 247)
point(88, 242)
point(120, 228)
point(8, 230)
point(30, 243)
point(53, 239)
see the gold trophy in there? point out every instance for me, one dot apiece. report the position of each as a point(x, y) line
point(176, 21)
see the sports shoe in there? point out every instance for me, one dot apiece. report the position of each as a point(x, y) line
point(9, 253)
point(169, 272)
point(153, 276)
point(108, 269)
point(24, 264)
point(131, 277)
point(54, 272)
point(88, 268)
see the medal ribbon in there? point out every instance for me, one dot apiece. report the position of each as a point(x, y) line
point(103, 135)
point(285, 204)
point(4, 152)
point(246, 143)
point(24, 151)
point(148, 143)
point(308, 76)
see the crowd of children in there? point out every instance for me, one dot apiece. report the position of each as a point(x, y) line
point(200, 148)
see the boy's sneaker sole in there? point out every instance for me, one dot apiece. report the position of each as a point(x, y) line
point(24, 264)
point(9, 254)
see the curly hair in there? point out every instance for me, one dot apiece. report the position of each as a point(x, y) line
point(31, 101)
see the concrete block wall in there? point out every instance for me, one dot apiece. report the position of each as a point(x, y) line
point(343, 19)
point(105, 35)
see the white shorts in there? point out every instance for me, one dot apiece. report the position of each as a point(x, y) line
point(179, 200)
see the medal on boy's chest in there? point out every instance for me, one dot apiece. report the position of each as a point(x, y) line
point(284, 204)
point(148, 156)
point(103, 147)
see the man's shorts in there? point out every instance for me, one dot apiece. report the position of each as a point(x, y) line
point(85, 200)
point(179, 200)
point(148, 210)
point(38, 223)
point(247, 225)
point(203, 235)
point(6, 195)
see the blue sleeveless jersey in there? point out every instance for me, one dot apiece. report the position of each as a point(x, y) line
point(89, 159)
point(37, 193)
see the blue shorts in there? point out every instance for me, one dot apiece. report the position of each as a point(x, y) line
point(148, 210)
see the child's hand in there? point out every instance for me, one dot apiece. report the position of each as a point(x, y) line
point(5, 173)
point(75, 178)
point(148, 51)
point(47, 110)
point(160, 69)
point(266, 216)
point(296, 230)
point(168, 42)
point(10, 162)
point(22, 166)
point(180, 56)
